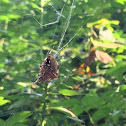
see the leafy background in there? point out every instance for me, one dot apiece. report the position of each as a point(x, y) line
point(91, 86)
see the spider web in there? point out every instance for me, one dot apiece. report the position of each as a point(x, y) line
point(61, 45)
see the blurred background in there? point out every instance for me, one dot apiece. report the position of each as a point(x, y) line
point(89, 38)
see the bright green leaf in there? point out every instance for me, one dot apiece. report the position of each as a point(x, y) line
point(67, 92)
point(2, 101)
point(77, 78)
point(121, 1)
point(35, 6)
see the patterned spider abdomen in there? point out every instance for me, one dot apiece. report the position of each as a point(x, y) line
point(49, 69)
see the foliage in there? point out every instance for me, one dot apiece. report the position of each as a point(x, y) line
point(90, 33)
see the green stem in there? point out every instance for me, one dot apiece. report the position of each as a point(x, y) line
point(45, 104)
point(93, 123)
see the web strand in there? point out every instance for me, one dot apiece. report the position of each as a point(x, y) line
point(76, 32)
point(55, 22)
point(67, 25)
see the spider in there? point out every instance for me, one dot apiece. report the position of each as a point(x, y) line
point(49, 69)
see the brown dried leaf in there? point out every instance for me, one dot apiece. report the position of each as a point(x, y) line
point(64, 110)
point(103, 56)
point(68, 111)
point(90, 58)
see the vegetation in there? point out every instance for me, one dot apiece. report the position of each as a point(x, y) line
point(89, 38)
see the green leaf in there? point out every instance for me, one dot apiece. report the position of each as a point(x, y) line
point(118, 70)
point(115, 22)
point(77, 108)
point(2, 101)
point(77, 78)
point(67, 92)
point(101, 113)
point(121, 1)
point(67, 103)
point(6, 1)
point(75, 119)
point(17, 118)
point(9, 17)
point(91, 100)
point(122, 88)
point(115, 116)
point(35, 6)
point(1, 122)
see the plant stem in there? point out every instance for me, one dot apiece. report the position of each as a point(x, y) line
point(93, 123)
point(44, 106)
